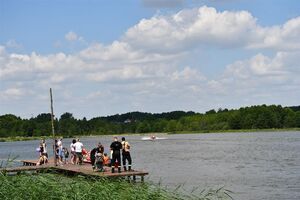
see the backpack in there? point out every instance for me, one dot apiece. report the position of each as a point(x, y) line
point(98, 158)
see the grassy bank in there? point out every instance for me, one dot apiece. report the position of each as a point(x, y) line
point(54, 186)
point(20, 138)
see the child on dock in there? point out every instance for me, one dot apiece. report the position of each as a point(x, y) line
point(66, 155)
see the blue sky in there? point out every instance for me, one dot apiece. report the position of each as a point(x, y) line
point(108, 57)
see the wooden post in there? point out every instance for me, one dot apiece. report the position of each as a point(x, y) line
point(134, 178)
point(52, 124)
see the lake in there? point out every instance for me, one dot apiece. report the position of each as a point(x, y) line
point(262, 165)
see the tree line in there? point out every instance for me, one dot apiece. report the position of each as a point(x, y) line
point(254, 117)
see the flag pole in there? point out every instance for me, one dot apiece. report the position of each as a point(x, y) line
point(52, 124)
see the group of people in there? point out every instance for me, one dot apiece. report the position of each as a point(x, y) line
point(98, 158)
point(116, 147)
point(61, 152)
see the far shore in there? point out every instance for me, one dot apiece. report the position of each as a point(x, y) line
point(237, 131)
point(23, 138)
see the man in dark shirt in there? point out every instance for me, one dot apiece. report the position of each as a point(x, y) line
point(116, 147)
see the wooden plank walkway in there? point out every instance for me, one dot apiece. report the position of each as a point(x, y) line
point(84, 169)
point(25, 168)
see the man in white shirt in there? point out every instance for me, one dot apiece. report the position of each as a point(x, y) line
point(78, 150)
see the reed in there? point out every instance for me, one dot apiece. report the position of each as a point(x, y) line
point(55, 186)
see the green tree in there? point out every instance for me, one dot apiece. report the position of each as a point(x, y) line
point(68, 125)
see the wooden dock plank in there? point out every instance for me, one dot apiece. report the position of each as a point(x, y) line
point(84, 169)
point(25, 168)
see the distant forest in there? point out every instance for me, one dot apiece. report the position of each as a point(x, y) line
point(254, 117)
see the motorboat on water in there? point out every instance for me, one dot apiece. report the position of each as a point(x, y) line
point(152, 138)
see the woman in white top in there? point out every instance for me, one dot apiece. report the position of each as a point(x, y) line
point(72, 149)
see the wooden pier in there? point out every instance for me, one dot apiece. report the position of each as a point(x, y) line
point(84, 170)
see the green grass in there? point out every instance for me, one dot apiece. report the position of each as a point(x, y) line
point(55, 186)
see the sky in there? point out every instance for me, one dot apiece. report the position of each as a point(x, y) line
point(104, 57)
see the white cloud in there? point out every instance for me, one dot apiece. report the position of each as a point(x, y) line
point(187, 74)
point(11, 93)
point(13, 44)
point(155, 65)
point(125, 73)
point(262, 78)
point(71, 36)
point(194, 28)
point(280, 37)
point(115, 51)
point(282, 65)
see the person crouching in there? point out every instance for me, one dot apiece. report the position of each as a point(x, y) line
point(98, 149)
point(99, 162)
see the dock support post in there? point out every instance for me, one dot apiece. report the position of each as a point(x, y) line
point(142, 179)
point(134, 178)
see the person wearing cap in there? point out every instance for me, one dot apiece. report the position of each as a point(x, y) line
point(126, 154)
point(116, 147)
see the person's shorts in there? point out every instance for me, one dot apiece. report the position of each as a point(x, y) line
point(79, 155)
point(60, 153)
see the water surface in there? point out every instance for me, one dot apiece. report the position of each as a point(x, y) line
point(253, 165)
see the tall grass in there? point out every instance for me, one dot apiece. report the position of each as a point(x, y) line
point(55, 186)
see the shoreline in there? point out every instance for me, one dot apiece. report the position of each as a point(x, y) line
point(22, 138)
point(236, 131)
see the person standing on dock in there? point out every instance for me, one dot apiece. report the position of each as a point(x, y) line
point(78, 150)
point(60, 151)
point(66, 155)
point(73, 153)
point(116, 147)
point(44, 148)
point(126, 154)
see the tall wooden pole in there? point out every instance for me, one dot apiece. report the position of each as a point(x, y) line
point(52, 123)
